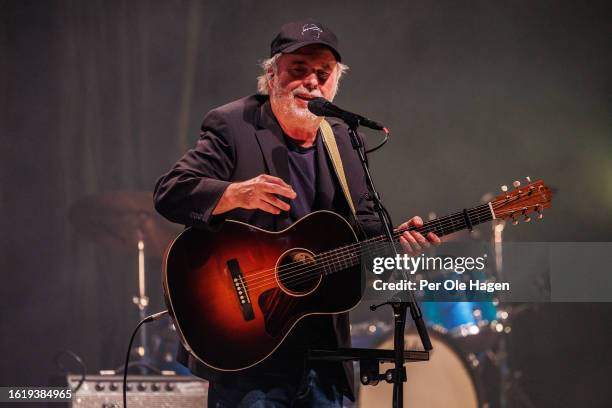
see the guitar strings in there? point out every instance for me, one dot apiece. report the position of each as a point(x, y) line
point(324, 256)
point(428, 227)
point(313, 273)
point(343, 255)
point(347, 258)
point(297, 274)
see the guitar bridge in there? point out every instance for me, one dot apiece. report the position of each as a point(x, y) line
point(241, 289)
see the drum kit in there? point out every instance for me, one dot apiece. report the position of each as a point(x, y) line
point(125, 221)
point(468, 366)
point(461, 372)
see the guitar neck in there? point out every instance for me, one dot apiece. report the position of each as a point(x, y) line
point(454, 222)
point(350, 255)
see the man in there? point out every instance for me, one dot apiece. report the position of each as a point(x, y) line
point(261, 160)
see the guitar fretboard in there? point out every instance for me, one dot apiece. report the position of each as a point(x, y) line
point(350, 255)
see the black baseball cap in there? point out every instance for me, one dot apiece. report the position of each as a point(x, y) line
point(298, 34)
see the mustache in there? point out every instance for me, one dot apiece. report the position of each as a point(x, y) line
point(304, 91)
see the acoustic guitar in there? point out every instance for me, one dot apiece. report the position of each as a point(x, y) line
point(235, 294)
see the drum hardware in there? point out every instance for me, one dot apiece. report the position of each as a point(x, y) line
point(119, 220)
point(500, 358)
point(511, 393)
point(509, 386)
point(126, 221)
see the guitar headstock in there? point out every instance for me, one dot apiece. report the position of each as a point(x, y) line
point(522, 201)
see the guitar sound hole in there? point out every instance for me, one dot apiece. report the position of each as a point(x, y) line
point(298, 272)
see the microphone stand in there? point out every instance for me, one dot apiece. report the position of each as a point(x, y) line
point(399, 305)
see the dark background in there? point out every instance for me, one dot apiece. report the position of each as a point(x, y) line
point(99, 96)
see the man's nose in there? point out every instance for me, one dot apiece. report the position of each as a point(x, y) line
point(311, 81)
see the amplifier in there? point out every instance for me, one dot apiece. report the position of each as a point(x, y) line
point(151, 391)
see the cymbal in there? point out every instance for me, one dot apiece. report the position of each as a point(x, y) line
point(119, 219)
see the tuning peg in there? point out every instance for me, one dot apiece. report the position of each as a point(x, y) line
point(527, 218)
point(504, 188)
point(516, 184)
point(514, 220)
point(528, 179)
point(539, 209)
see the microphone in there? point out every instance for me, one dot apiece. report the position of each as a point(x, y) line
point(322, 107)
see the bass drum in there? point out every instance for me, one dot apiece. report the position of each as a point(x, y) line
point(445, 381)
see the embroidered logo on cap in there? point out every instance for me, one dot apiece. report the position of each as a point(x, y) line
point(313, 30)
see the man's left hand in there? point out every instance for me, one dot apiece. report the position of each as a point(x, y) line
point(412, 241)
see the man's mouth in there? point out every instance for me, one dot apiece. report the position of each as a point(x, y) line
point(305, 97)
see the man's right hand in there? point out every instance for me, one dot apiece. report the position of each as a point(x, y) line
point(257, 193)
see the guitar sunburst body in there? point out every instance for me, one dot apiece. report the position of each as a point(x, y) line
point(208, 276)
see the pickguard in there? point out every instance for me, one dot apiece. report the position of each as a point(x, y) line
point(277, 307)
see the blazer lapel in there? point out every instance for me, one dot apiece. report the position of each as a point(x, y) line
point(272, 144)
point(325, 178)
point(274, 151)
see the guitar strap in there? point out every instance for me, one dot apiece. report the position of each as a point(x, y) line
point(329, 140)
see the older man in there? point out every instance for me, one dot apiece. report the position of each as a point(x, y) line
point(261, 160)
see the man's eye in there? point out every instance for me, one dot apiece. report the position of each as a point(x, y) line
point(298, 71)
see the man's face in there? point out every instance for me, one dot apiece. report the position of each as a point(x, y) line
point(308, 73)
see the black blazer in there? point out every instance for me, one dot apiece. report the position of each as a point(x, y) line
point(239, 141)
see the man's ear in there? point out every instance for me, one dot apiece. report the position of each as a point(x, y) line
point(270, 76)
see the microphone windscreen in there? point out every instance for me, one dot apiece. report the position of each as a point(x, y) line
point(317, 106)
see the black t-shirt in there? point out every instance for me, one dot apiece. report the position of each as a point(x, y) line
point(303, 178)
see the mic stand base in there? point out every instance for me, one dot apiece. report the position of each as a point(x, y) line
point(369, 362)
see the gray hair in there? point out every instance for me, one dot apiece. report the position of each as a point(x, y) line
point(269, 66)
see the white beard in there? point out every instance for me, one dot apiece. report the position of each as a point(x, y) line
point(285, 101)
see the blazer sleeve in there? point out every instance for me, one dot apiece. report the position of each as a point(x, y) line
point(367, 217)
point(189, 192)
